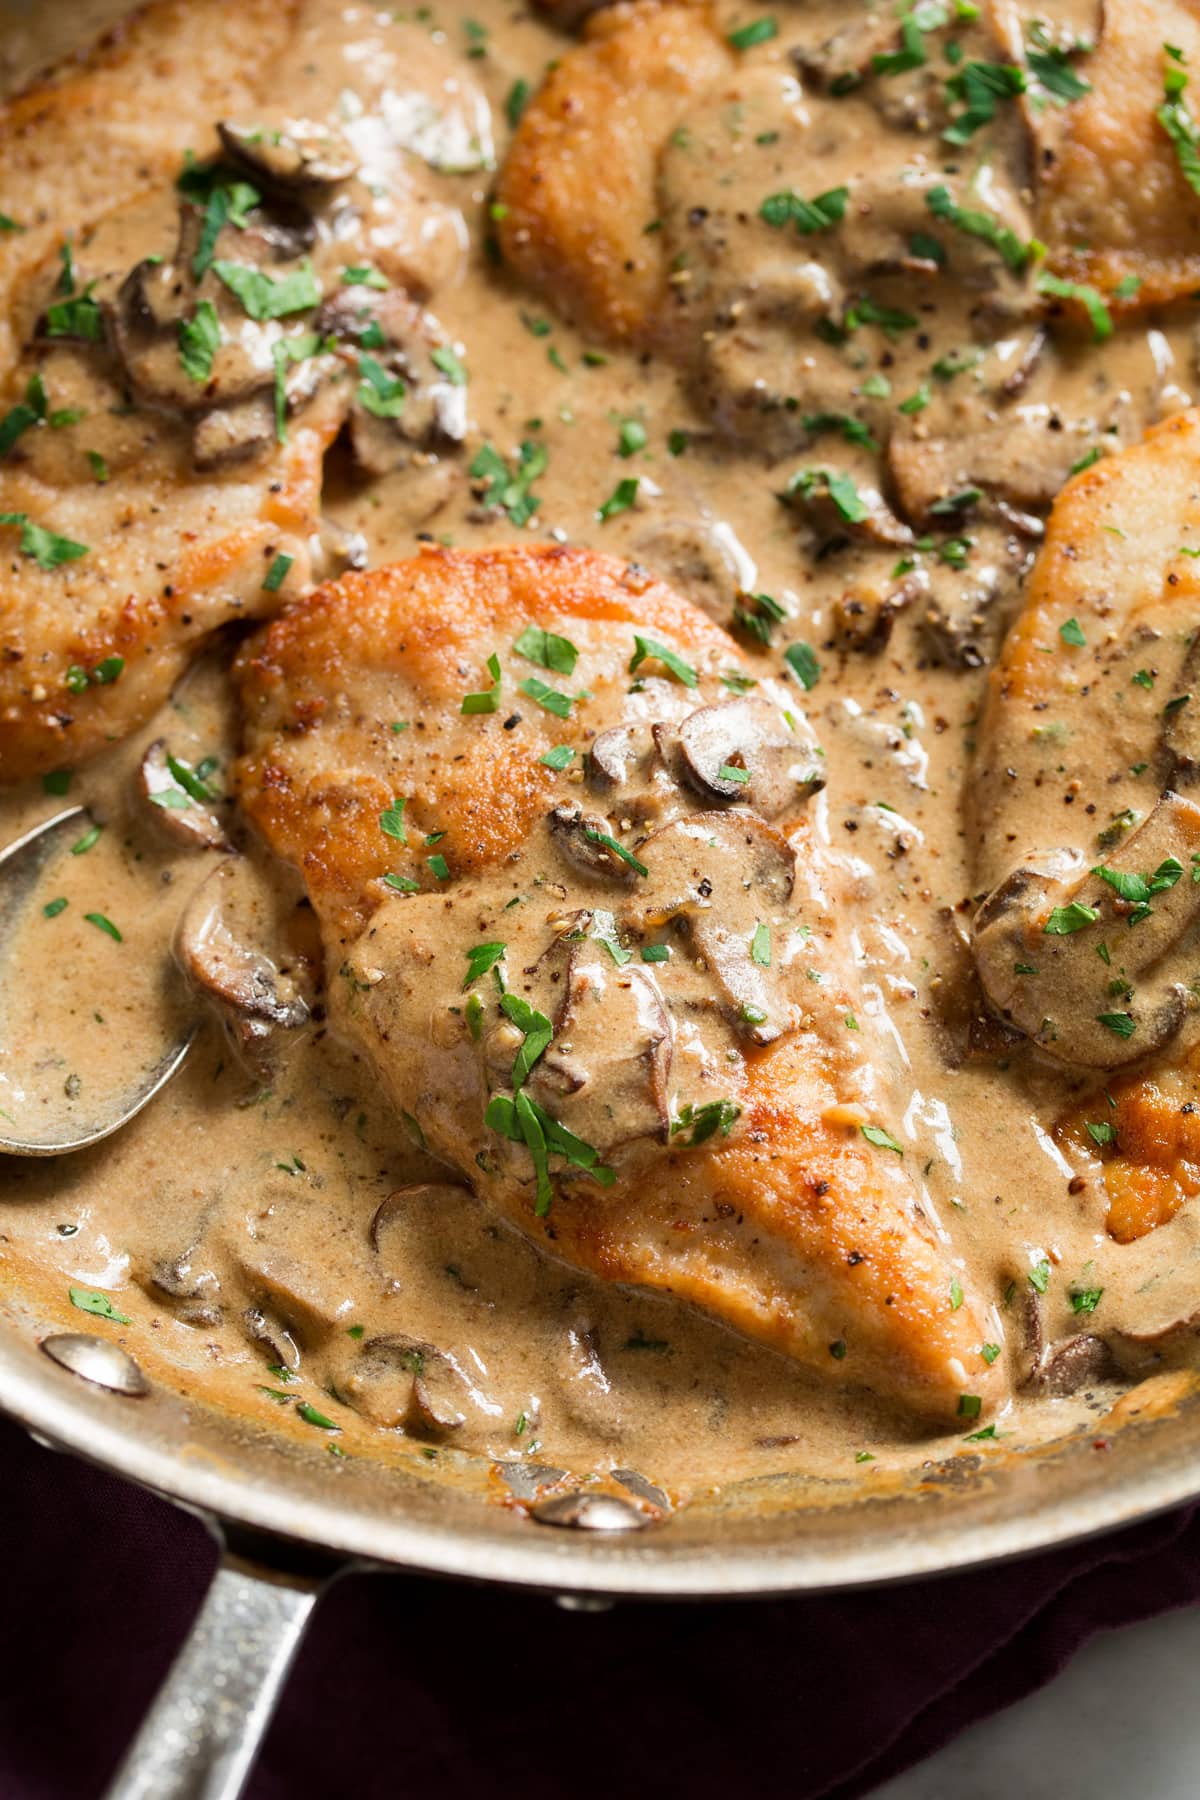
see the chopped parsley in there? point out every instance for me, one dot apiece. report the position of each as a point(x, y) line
point(1085, 296)
point(1064, 920)
point(1101, 1132)
point(1175, 117)
point(554, 702)
point(703, 1122)
point(875, 1134)
point(364, 276)
point(25, 414)
point(758, 31)
point(381, 393)
point(760, 946)
point(623, 496)
point(981, 225)
point(1056, 75)
point(649, 649)
point(265, 297)
point(801, 659)
point(631, 437)
point(511, 490)
point(391, 821)
point(839, 487)
point(656, 953)
point(1072, 633)
point(1039, 1276)
point(808, 216)
point(489, 699)
point(105, 925)
point(604, 930)
point(88, 1300)
point(1085, 1300)
point(517, 101)
point(558, 758)
point(47, 549)
point(618, 849)
point(980, 86)
point(547, 650)
point(276, 575)
point(1120, 1024)
point(852, 429)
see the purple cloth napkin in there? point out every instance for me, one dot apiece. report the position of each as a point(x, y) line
point(410, 1687)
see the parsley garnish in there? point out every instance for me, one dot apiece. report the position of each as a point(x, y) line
point(276, 575)
point(758, 31)
point(979, 85)
point(1085, 1300)
point(364, 276)
point(489, 699)
point(558, 758)
point(1064, 920)
point(603, 837)
point(510, 491)
point(1175, 117)
point(705, 1121)
point(26, 413)
point(620, 500)
point(801, 659)
point(1120, 1024)
point(808, 216)
point(839, 487)
point(1072, 633)
point(445, 359)
point(875, 1134)
point(264, 297)
point(89, 1301)
point(391, 820)
point(649, 649)
point(981, 225)
point(554, 702)
point(547, 650)
point(48, 550)
point(105, 925)
point(381, 393)
point(1056, 75)
point(1085, 296)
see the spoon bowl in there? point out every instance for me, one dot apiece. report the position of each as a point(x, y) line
point(22, 865)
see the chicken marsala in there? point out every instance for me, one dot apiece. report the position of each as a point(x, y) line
point(694, 934)
point(601, 1010)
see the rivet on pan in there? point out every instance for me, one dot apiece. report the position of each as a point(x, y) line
point(590, 1512)
point(97, 1359)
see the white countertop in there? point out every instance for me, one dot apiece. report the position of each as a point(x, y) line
point(1121, 1723)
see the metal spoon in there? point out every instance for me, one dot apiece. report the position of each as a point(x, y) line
point(21, 868)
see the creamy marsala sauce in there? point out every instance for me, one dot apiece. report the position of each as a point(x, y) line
point(234, 1224)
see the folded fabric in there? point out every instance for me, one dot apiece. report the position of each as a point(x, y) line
point(411, 1687)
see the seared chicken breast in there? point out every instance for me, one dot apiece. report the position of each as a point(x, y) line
point(180, 364)
point(579, 925)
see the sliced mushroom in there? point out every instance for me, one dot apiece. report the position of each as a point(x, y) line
point(405, 1383)
point(1026, 460)
point(261, 1327)
point(865, 611)
point(836, 518)
point(722, 874)
point(1062, 1368)
point(742, 751)
point(192, 1285)
point(181, 814)
point(1052, 984)
point(290, 1291)
point(586, 840)
point(964, 612)
point(255, 1000)
point(1181, 721)
point(701, 559)
point(407, 1200)
point(299, 153)
point(233, 434)
point(341, 549)
point(618, 754)
point(428, 409)
point(605, 1075)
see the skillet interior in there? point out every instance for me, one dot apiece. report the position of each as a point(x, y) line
point(772, 1534)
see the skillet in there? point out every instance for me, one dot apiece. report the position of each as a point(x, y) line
point(288, 1524)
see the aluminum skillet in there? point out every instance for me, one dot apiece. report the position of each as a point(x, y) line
point(289, 1520)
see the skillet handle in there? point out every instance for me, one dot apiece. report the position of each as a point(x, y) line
point(202, 1733)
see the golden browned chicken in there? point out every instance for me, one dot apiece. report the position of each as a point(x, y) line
point(577, 922)
point(173, 368)
point(1086, 816)
point(1119, 206)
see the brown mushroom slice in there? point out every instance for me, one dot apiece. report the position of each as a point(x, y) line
point(410, 1199)
point(299, 153)
point(618, 754)
point(723, 873)
point(1181, 721)
point(1060, 1368)
point(835, 516)
point(742, 751)
point(290, 1289)
point(264, 1329)
point(587, 841)
point(1037, 936)
point(605, 1075)
point(404, 1383)
point(193, 1287)
point(1025, 459)
point(180, 813)
point(425, 407)
point(254, 1000)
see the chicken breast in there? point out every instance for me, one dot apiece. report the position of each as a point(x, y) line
point(580, 183)
point(1117, 208)
point(578, 925)
point(1087, 818)
point(177, 366)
